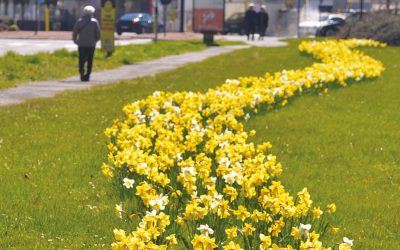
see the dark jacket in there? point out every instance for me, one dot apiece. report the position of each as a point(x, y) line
point(250, 18)
point(263, 20)
point(86, 32)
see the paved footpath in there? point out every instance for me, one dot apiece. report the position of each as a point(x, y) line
point(45, 89)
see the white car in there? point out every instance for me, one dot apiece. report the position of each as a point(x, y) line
point(309, 28)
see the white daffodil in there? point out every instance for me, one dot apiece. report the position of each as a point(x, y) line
point(153, 114)
point(152, 213)
point(118, 207)
point(141, 118)
point(128, 183)
point(347, 241)
point(231, 177)
point(205, 230)
point(119, 210)
point(160, 202)
point(224, 160)
point(276, 91)
point(167, 104)
point(217, 196)
point(178, 157)
point(188, 171)
point(177, 110)
point(256, 99)
point(216, 201)
point(196, 128)
point(304, 229)
point(223, 144)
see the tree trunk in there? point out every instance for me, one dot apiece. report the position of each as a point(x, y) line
point(23, 10)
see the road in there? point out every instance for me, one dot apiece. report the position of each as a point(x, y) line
point(32, 46)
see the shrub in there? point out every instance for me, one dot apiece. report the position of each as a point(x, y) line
point(381, 26)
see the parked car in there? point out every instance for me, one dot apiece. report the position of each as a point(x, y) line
point(331, 26)
point(235, 24)
point(316, 27)
point(136, 22)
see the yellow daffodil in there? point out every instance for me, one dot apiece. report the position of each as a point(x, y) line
point(248, 229)
point(188, 153)
point(331, 208)
point(231, 232)
point(232, 246)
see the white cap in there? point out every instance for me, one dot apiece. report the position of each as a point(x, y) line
point(263, 6)
point(251, 4)
point(89, 10)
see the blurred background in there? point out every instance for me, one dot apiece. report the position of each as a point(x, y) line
point(286, 17)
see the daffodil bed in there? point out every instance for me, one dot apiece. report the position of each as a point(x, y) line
point(195, 180)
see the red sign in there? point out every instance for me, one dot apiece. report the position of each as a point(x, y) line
point(209, 15)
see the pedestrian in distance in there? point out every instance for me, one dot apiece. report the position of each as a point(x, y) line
point(262, 22)
point(85, 34)
point(250, 19)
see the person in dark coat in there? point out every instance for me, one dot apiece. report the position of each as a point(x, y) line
point(85, 34)
point(262, 22)
point(250, 19)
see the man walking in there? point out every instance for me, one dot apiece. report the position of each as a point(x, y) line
point(85, 34)
point(262, 22)
point(250, 19)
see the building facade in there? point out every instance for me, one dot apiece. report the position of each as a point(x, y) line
point(63, 13)
point(282, 13)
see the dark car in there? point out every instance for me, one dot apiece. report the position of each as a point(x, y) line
point(136, 22)
point(235, 24)
point(330, 27)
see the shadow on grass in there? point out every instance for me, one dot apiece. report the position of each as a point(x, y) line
point(265, 109)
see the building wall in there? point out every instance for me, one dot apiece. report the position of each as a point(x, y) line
point(276, 10)
point(64, 14)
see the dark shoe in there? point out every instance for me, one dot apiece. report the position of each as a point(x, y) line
point(82, 75)
point(86, 78)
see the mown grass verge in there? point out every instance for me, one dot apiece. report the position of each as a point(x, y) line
point(16, 69)
point(51, 152)
point(343, 146)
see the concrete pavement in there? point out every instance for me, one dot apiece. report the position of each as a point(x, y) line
point(266, 42)
point(33, 46)
point(67, 35)
point(27, 42)
point(45, 89)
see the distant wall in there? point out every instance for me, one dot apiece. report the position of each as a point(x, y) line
point(280, 19)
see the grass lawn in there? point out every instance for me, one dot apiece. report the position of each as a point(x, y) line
point(342, 145)
point(16, 69)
